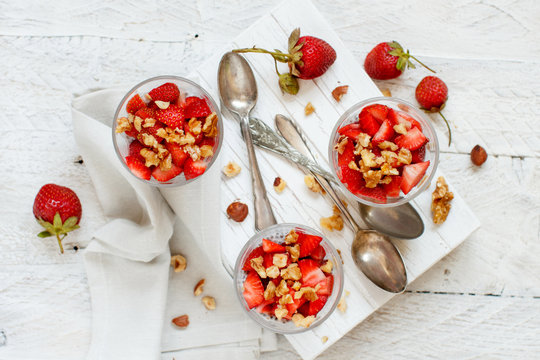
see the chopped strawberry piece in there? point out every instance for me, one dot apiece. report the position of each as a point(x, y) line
point(419, 154)
point(392, 117)
point(253, 290)
point(166, 92)
point(255, 253)
point(271, 247)
point(348, 154)
point(167, 175)
point(393, 188)
point(307, 243)
point(277, 280)
point(207, 141)
point(368, 123)
point(179, 156)
point(304, 309)
point(268, 259)
point(326, 285)
point(412, 174)
point(153, 130)
point(351, 178)
point(376, 194)
point(133, 133)
point(138, 168)
point(192, 169)
point(172, 116)
point(196, 107)
point(386, 132)
point(316, 305)
point(134, 104)
point(378, 111)
point(412, 140)
point(412, 121)
point(145, 113)
point(318, 254)
point(135, 148)
point(351, 131)
point(296, 303)
point(266, 307)
point(311, 274)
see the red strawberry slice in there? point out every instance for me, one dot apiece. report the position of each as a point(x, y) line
point(351, 131)
point(368, 123)
point(133, 133)
point(412, 140)
point(135, 148)
point(138, 168)
point(419, 154)
point(318, 254)
point(255, 253)
point(253, 290)
point(207, 141)
point(304, 309)
point(317, 305)
point(348, 154)
point(172, 116)
point(271, 247)
point(352, 178)
point(376, 194)
point(386, 132)
point(134, 104)
point(378, 111)
point(196, 107)
point(311, 274)
point(308, 243)
point(167, 175)
point(403, 116)
point(179, 156)
point(412, 174)
point(268, 259)
point(326, 285)
point(166, 92)
point(266, 307)
point(296, 303)
point(192, 169)
point(277, 280)
point(393, 188)
point(392, 117)
point(145, 113)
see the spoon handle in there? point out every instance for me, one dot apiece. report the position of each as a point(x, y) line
point(264, 216)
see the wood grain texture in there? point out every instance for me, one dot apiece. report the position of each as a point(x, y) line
point(486, 51)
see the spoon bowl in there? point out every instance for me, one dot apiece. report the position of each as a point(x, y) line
point(400, 221)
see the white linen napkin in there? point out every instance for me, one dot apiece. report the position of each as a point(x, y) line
point(128, 259)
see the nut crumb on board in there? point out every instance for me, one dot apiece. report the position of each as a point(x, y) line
point(309, 109)
point(231, 169)
point(440, 201)
point(339, 91)
point(279, 185)
point(333, 222)
point(209, 302)
point(181, 321)
point(179, 263)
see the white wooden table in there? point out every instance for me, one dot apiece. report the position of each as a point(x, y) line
point(481, 301)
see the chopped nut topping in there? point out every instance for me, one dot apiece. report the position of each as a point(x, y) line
point(334, 222)
point(386, 180)
point(312, 184)
point(138, 123)
point(150, 157)
point(206, 151)
point(166, 164)
point(368, 158)
point(404, 156)
point(386, 92)
point(364, 139)
point(199, 288)
point(352, 165)
point(292, 272)
point(147, 96)
point(186, 139)
point(280, 313)
point(210, 125)
point(282, 288)
point(324, 339)
point(279, 185)
point(272, 272)
point(175, 136)
point(340, 145)
point(179, 263)
point(122, 125)
point(195, 126)
point(309, 109)
point(342, 305)
point(181, 321)
point(385, 145)
point(209, 302)
point(300, 321)
point(286, 299)
point(270, 291)
point(257, 265)
point(400, 129)
point(294, 251)
point(193, 151)
point(440, 201)
point(389, 157)
point(291, 237)
point(149, 140)
point(148, 122)
point(280, 260)
point(386, 169)
point(372, 178)
point(308, 292)
point(231, 169)
point(327, 266)
point(296, 285)
point(338, 92)
point(162, 104)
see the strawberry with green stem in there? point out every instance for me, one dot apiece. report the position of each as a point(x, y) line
point(432, 93)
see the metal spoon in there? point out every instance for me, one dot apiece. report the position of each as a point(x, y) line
point(373, 253)
point(238, 93)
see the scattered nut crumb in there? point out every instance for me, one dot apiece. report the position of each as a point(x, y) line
point(209, 302)
point(312, 184)
point(231, 169)
point(440, 201)
point(342, 305)
point(237, 211)
point(279, 185)
point(280, 312)
point(270, 291)
point(291, 237)
point(282, 288)
point(309, 109)
point(339, 252)
point(291, 272)
point(280, 260)
point(327, 266)
point(338, 92)
point(334, 222)
point(300, 321)
point(179, 263)
point(181, 321)
point(257, 265)
point(386, 92)
point(199, 288)
point(294, 251)
point(324, 339)
point(478, 155)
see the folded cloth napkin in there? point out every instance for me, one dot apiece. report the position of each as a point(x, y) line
point(128, 259)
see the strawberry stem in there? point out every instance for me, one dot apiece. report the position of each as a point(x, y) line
point(275, 65)
point(263, 51)
point(60, 243)
point(421, 63)
point(448, 126)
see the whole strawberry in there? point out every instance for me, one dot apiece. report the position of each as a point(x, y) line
point(308, 58)
point(432, 93)
point(387, 60)
point(58, 209)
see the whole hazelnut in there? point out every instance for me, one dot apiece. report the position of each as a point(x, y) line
point(478, 155)
point(237, 211)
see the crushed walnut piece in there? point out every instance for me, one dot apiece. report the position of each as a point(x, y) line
point(309, 109)
point(294, 251)
point(386, 92)
point(198, 289)
point(181, 321)
point(339, 91)
point(280, 312)
point(270, 291)
point(324, 339)
point(257, 265)
point(150, 157)
point(309, 293)
point(206, 151)
point(404, 156)
point(291, 272)
point(286, 299)
point(385, 145)
point(209, 302)
point(327, 266)
point(341, 143)
point(272, 272)
point(300, 321)
point(291, 237)
point(279, 185)
point(296, 285)
point(334, 222)
point(162, 104)
point(440, 201)
point(122, 125)
point(312, 184)
point(138, 123)
point(400, 129)
point(280, 260)
point(148, 122)
point(363, 139)
point(231, 169)
point(210, 125)
point(166, 164)
point(149, 140)
point(193, 151)
point(178, 263)
point(372, 177)
point(195, 126)
point(282, 288)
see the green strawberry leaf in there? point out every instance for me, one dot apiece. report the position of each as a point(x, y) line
point(57, 221)
point(70, 222)
point(293, 39)
point(44, 234)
